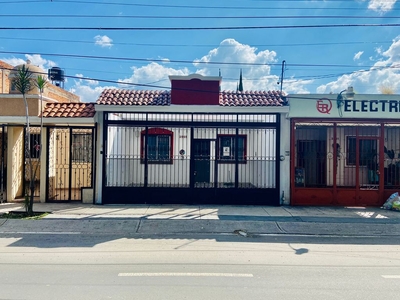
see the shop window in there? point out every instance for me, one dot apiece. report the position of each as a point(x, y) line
point(159, 146)
point(227, 148)
point(367, 151)
point(82, 148)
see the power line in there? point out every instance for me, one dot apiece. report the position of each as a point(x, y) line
point(198, 45)
point(204, 7)
point(202, 28)
point(151, 85)
point(180, 61)
point(197, 17)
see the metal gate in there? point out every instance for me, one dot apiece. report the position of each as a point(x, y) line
point(33, 148)
point(344, 162)
point(69, 163)
point(3, 163)
point(191, 158)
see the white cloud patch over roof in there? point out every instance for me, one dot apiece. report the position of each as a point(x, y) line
point(36, 60)
point(152, 74)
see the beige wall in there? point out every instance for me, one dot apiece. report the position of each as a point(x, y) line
point(4, 81)
point(59, 94)
point(15, 159)
point(16, 107)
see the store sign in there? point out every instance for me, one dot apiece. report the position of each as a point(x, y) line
point(391, 106)
point(328, 106)
point(324, 106)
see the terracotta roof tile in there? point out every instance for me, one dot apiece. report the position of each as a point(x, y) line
point(226, 98)
point(69, 110)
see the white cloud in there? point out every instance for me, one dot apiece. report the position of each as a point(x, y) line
point(385, 72)
point(381, 5)
point(36, 60)
point(153, 74)
point(87, 93)
point(358, 55)
point(256, 67)
point(103, 41)
point(88, 81)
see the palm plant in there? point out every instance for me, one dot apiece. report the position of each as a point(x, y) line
point(22, 82)
point(41, 83)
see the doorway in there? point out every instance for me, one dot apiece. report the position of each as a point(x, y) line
point(201, 156)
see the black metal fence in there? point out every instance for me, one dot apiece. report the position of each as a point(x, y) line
point(191, 158)
point(3, 163)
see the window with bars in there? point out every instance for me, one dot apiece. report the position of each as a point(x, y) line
point(81, 147)
point(159, 146)
point(227, 148)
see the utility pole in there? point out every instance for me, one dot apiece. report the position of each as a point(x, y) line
point(283, 70)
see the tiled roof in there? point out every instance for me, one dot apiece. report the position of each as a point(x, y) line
point(226, 98)
point(5, 65)
point(251, 98)
point(69, 110)
point(134, 97)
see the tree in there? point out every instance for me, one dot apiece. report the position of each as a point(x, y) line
point(240, 88)
point(41, 83)
point(22, 81)
point(387, 89)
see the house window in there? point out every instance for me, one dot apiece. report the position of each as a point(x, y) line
point(159, 146)
point(367, 151)
point(81, 147)
point(34, 146)
point(227, 148)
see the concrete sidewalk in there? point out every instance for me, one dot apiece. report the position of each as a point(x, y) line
point(182, 220)
point(209, 212)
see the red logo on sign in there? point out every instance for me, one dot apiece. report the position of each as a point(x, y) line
point(324, 106)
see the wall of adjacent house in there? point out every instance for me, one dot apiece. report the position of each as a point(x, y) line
point(12, 106)
point(59, 94)
point(15, 158)
point(4, 81)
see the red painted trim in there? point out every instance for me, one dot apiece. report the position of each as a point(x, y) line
point(381, 163)
point(335, 163)
point(292, 160)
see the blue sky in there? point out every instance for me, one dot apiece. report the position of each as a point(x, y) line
point(318, 60)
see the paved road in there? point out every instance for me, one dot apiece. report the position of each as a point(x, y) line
point(84, 265)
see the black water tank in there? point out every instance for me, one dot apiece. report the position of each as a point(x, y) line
point(56, 74)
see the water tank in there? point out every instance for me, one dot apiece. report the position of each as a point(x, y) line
point(56, 74)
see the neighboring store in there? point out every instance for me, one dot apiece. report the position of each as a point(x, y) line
point(345, 148)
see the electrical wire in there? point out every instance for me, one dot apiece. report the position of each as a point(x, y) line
point(198, 45)
point(180, 61)
point(204, 7)
point(202, 28)
point(196, 17)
